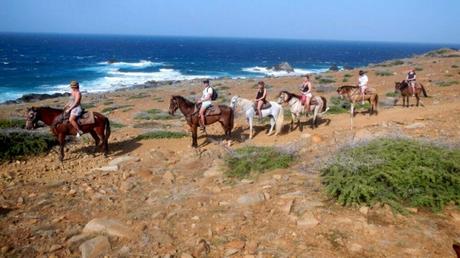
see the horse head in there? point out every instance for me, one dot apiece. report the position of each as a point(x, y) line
point(234, 102)
point(283, 97)
point(31, 118)
point(173, 105)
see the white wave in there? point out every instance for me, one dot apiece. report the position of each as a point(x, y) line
point(271, 72)
point(5, 63)
point(116, 80)
point(140, 64)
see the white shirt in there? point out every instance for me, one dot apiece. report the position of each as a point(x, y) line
point(363, 80)
point(207, 92)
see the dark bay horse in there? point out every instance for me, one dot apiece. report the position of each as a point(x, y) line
point(406, 91)
point(188, 109)
point(52, 117)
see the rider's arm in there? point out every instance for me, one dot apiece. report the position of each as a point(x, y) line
point(310, 86)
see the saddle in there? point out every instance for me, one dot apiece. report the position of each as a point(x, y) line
point(86, 118)
point(212, 110)
point(266, 105)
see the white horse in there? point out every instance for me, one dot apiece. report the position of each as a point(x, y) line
point(318, 104)
point(275, 112)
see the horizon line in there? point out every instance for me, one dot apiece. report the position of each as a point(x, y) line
point(226, 37)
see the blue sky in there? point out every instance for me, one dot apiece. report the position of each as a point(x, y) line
point(389, 20)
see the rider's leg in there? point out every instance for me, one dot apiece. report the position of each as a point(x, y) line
point(362, 95)
point(73, 122)
point(202, 122)
point(307, 103)
point(259, 108)
point(412, 84)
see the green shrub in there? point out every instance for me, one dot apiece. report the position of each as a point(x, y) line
point(383, 73)
point(12, 123)
point(454, 66)
point(161, 135)
point(446, 83)
point(114, 124)
point(391, 94)
point(18, 144)
point(252, 159)
point(138, 96)
point(88, 105)
point(348, 75)
point(345, 80)
point(418, 69)
point(153, 114)
point(397, 172)
point(391, 63)
point(108, 102)
point(115, 107)
point(326, 80)
point(338, 105)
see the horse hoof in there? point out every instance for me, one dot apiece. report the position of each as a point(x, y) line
point(229, 143)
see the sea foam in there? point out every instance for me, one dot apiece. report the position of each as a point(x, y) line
point(270, 72)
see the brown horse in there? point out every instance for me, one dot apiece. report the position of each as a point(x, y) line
point(353, 94)
point(60, 127)
point(406, 91)
point(225, 117)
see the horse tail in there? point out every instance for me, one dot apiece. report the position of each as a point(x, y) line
point(232, 118)
point(424, 91)
point(376, 101)
point(324, 109)
point(279, 120)
point(107, 129)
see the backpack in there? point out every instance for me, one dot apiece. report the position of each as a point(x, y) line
point(214, 94)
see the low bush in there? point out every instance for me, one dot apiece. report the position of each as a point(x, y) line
point(326, 80)
point(383, 73)
point(391, 94)
point(338, 105)
point(115, 107)
point(161, 135)
point(446, 83)
point(88, 105)
point(252, 159)
point(116, 125)
point(19, 144)
point(153, 114)
point(454, 66)
point(12, 123)
point(397, 172)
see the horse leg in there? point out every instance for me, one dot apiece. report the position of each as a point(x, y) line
point(418, 99)
point(313, 121)
point(292, 122)
point(251, 132)
point(61, 140)
point(96, 139)
point(194, 136)
point(272, 125)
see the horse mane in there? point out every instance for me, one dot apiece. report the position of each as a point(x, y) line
point(347, 87)
point(188, 102)
point(49, 108)
point(290, 95)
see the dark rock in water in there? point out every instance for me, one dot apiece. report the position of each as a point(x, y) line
point(347, 67)
point(334, 68)
point(112, 61)
point(284, 66)
point(37, 97)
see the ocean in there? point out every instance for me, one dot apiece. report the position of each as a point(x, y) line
point(46, 63)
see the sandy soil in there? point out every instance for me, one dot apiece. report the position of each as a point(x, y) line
point(165, 198)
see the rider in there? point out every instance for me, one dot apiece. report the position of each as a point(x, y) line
point(410, 79)
point(305, 89)
point(260, 97)
point(362, 83)
point(73, 106)
point(205, 101)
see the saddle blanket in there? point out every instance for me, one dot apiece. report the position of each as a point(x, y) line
point(213, 110)
point(86, 118)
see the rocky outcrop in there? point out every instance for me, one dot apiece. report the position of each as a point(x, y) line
point(284, 66)
point(334, 68)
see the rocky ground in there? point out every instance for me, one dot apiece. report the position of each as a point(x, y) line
point(161, 198)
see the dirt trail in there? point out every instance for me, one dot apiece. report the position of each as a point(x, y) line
point(156, 198)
